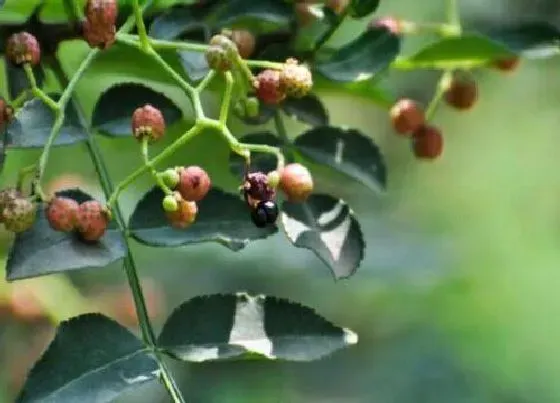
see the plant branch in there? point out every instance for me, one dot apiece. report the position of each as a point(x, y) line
point(146, 158)
point(142, 34)
point(441, 87)
point(205, 81)
point(264, 64)
point(36, 90)
point(226, 100)
point(452, 11)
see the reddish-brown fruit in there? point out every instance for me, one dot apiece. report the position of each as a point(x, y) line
point(256, 188)
point(101, 12)
point(6, 112)
point(61, 214)
point(337, 6)
point(406, 116)
point(394, 25)
point(149, 122)
point(296, 182)
point(296, 79)
point(7, 196)
point(101, 37)
point(244, 40)
point(91, 220)
point(427, 142)
point(194, 183)
point(462, 93)
point(23, 48)
point(508, 64)
point(268, 87)
point(185, 215)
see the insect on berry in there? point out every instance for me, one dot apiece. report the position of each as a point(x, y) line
point(256, 188)
point(427, 142)
point(149, 122)
point(296, 79)
point(264, 213)
point(406, 116)
point(194, 183)
point(296, 182)
point(23, 48)
point(61, 214)
point(91, 220)
point(269, 88)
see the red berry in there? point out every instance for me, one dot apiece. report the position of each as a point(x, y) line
point(91, 220)
point(268, 87)
point(462, 92)
point(296, 79)
point(149, 122)
point(406, 116)
point(244, 40)
point(101, 12)
point(19, 215)
point(185, 215)
point(427, 142)
point(23, 48)
point(7, 196)
point(6, 112)
point(61, 213)
point(194, 183)
point(508, 64)
point(296, 182)
point(101, 37)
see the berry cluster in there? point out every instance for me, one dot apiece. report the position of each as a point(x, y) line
point(273, 86)
point(88, 219)
point(99, 28)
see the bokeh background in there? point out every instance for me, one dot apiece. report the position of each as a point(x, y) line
point(457, 298)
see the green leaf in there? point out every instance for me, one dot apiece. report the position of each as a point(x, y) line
point(328, 227)
point(92, 359)
point(32, 125)
point(309, 110)
point(245, 327)
point(451, 52)
point(361, 59)
point(259, 161)
point(259, 17)
point(114, 109)
point(362, 8)
point(222, 217)
point(348, 151)
point(531, 39)
point(17, 79)
point(41, 250)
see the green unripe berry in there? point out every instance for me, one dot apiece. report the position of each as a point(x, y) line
point(170, 204)
point(252, 107)
point(273, 179)
point(170, 177)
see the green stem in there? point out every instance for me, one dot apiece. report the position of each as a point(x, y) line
point(65, 97)
point(205, 81)
point(168, 380)
point(330, 32)
point(265, 64)
point(143, 35)
point(408, 64)
point(146, 159)
point(36, 90)
point(23, 173)
point(452, 13)
point(244, 66)
point(226, 100)
point(20, 99)
point(169, 151)
point(441, 29)
point(441, 87)
point(160, 44)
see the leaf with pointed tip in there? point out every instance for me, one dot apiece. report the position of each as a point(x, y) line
point(41, 250)
point(348, 151)
point(361, 59)
point(222, 217)
point(17, 79)
point(92, 359)
point(309, 110)
point(245, 327)
point(466, 49)
point(532, 39)
point(259, 161)
point(114, 108)
point(328, 227)
point(32, 125)
point(362, 8)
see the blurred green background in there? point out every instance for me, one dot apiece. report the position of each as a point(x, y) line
point(456, 300)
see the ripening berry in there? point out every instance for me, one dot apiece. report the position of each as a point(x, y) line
point(252, 107)
point(7, 196)
point(61, 213)
point(462, 92)
point(6, 112)
point(170, 177)
point(19, 215)
point(507, 65)
point(264, 213)
point(170, 203)
point(101, 37)
point(149, 122)
point(185, 215)
point(194, 183)
point(217, 59)
point(296, 79)
point(296, 182)
point(406, 116)
point(395, 26)
point(427, 142)
point(268, 87)
point(244, 41)
point(23, 48)
point(273, 179)
point(91, 220)
point(256, 188)
point(337, 6)
point(101, 12)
